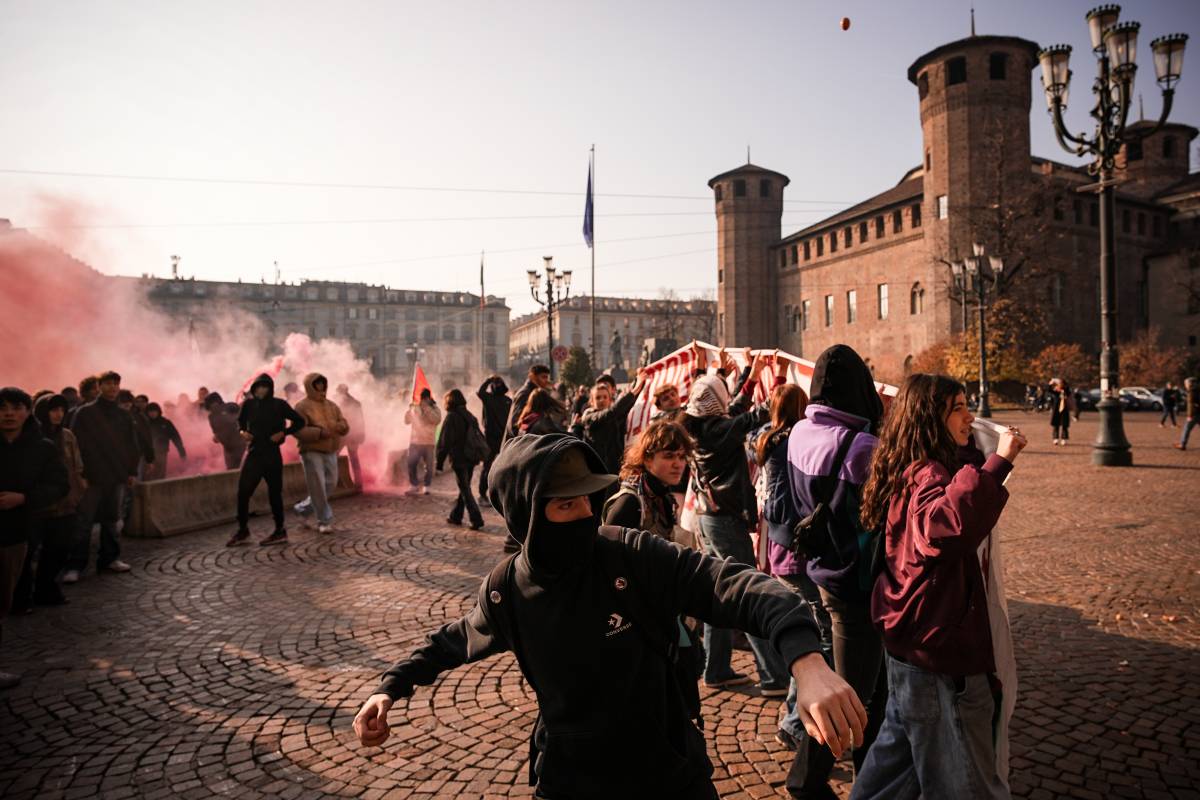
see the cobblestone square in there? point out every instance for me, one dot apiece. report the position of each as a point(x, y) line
point(237, 672)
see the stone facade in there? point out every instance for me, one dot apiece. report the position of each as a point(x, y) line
point(635, 319)
point(877, 275)
point(385, 326)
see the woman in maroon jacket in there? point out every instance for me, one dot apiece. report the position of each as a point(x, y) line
point(938, 501)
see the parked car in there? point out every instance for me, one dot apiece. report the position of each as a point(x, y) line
point(1131, 402)
point(1086, 400)
point(1146, 399)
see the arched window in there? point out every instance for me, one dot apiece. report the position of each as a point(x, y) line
point(916, 299)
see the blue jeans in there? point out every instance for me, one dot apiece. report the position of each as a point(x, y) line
point(936, 739)
point(726, 537)
point(803, 585)
point(1188, 424)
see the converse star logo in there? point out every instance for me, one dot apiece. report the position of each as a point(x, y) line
point(618, 625)
point(620, 583)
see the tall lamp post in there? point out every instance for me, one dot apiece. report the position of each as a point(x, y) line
point(1115, 47)
point(978, 270)
point(555, 292)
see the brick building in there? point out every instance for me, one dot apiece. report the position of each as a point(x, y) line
point(635, 319)
point(877, 275)
point(385, 326)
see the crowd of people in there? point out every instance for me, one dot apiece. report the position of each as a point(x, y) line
point(69, 460)
point(631, 570)
point(866, 612)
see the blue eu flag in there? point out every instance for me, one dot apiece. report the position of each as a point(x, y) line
point(587, 211)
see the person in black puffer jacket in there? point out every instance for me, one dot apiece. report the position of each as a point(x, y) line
point(452, 444)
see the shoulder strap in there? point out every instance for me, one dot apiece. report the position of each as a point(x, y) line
point(830, 481)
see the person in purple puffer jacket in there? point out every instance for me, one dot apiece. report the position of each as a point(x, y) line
point(844, 403)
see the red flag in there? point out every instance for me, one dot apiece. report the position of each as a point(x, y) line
point(419, 384)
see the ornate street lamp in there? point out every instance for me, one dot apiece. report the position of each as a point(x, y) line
point(1115, 47)
point(978, 270)
point(556, 291)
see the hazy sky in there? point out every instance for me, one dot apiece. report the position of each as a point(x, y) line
point(478, 95)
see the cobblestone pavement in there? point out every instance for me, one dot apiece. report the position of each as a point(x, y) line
point(209, 671)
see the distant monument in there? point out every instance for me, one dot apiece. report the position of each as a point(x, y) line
point(617, 361)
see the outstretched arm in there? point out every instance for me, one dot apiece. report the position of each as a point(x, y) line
point(726, 594)
point(454, 644)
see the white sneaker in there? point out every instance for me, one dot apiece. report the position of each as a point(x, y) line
point(424, 490)
point(71, 576)
point(325, 528)
point(118, 566)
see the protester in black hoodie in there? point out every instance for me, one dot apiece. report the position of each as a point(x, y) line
point(163, 434)
point(108, 444)
point(263, 423)
point(32, 477)
point(452, 444)
point(612, 720)
point(497, 406)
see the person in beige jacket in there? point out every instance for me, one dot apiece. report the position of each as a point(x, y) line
point(320, 439)
point(423, 417)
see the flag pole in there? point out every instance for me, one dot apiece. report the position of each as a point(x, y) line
point(482, 361)
point(592, 173)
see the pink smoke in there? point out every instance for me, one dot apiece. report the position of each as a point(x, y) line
point(61, 320)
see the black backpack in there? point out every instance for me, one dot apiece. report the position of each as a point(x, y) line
point(811, 536)
point(610, 547)
point(475, 445)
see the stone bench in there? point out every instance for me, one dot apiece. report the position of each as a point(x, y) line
point(179, 505)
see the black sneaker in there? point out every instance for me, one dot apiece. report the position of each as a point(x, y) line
point(450, 521)
point(476, 526)
point(278, 537)
point(239, 538)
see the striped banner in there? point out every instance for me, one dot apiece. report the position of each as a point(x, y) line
point(676, 370)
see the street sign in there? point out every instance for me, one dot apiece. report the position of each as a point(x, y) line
point(559, 354)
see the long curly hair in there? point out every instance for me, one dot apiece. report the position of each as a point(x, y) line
point(914, 431)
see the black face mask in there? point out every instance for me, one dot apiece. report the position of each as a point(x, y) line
point(562, 546)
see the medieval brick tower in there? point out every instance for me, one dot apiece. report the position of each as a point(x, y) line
point(974, 98)
point(749, 204)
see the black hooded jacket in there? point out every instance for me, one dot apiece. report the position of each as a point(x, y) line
point(29, 465)
point(612, 722)
point(497, 406)
point(266, 417)
point(842, 380)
